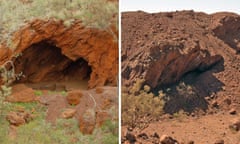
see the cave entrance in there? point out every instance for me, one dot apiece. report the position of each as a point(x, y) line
point(44, 67)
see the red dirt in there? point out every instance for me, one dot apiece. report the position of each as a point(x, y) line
point(184, 37)
point(202, 130)
point(57, 104)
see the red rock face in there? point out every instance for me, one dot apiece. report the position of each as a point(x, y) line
point(169, 45)
point(49, 50)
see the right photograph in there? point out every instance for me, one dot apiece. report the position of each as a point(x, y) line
point(180, 72)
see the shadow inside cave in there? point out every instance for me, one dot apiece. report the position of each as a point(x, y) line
point(44, 66)
point(189, 94)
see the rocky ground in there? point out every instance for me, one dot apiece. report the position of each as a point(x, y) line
point(192, 48)
point(74, 103)
point(91, 109)
point(58, 71)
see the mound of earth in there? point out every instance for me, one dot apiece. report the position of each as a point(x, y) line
point(47, 50)
point(198, 49)
point(173, 45)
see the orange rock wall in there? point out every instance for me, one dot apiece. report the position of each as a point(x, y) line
point(97, 47)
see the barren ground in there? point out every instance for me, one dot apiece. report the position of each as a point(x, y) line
point(207, 117)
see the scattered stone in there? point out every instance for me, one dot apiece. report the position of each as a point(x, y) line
point(156, 135)
point(74, 97)
point(190, 142)
point(235, 124)
point(68, 113)
point(143, 136)
point(207, 98)
point(131, 137)
point(214, 103)
point(155, 138)
point(170, 117)
point(18, 118)
point(130, 129)
point(165, 139)
point(219, 141)
point(232, 111)
point(193, 114)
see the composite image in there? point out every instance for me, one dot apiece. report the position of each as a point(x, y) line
point(119, 72)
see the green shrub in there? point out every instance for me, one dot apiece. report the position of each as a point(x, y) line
point(38, 92)
point(64, 131)
point(139, 107)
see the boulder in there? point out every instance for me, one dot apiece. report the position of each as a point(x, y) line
point(68, 113)
point(19, 118)
point(235, 125)
point(74, 97)
point(22, 93)
point(131, 138)
point(232, 111)
point(15, 119)
point(165, 139)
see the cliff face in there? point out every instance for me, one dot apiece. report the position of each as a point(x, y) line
point(48, 50)
point(163, 47)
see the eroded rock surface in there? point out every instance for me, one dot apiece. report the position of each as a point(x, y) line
point(46, 50)
point(173, 44)
point(21, 93)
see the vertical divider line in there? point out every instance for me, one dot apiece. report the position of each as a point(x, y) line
point(119, 70)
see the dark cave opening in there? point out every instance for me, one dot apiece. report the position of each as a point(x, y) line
point(43, 64)
point(190, 92)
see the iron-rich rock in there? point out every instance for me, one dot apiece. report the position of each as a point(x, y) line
point(220, 141)
point(68, 113)
point(74, 97)
point(235, 125)
point(131, 137)
point(22, 93)
point(232, 111)
point(160, 52)
point(165, 139)
point(19, 118)
point(78, 51)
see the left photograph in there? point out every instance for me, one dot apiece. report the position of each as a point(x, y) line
point(59, 71)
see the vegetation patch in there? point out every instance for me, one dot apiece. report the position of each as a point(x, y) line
point(140, 106)
point(93, 13)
